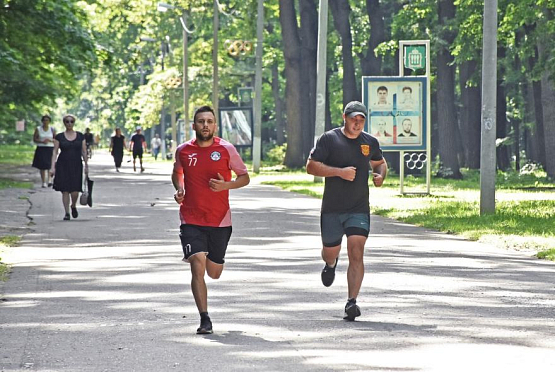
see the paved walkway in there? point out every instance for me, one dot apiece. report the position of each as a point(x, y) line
point(108, 292)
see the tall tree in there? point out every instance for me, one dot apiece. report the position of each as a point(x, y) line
point(449, 135)
point(470, 113)
point(299, 46)
point(548, 92)
point(341, 11)
point(294, 90)
point(44, 47)
point(370, 63)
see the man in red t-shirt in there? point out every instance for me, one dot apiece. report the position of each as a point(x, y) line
point(202, 180)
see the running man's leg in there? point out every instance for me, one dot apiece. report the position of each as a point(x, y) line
point(330, 254)
point(355, 271)
point(198, 285)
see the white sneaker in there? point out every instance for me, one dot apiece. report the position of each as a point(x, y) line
point(44, 185)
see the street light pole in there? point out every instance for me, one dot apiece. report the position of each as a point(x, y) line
point(257, 143)
point(489, 94)
point(185, 128)
point(319, 125)
point(215, 92)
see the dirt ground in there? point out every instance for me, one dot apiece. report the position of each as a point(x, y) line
point(14, 218)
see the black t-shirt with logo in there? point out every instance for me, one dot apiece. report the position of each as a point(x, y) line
point(333, 148)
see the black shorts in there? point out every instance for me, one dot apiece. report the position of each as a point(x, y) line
point(334, 225)
point(137, 154)
point(210, 240)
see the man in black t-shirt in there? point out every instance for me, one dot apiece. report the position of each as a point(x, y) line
point(137, 145)
point(345, 156)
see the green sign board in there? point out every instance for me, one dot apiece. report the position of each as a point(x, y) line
point(415, 57)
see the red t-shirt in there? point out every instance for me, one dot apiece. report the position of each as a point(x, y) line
point(198, 165)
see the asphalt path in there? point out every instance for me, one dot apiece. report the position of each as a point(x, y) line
point(108, 291)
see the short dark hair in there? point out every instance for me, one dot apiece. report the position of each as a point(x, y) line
point(203, 109)
point(409, 88)
point(45, 117)
point(382, 87)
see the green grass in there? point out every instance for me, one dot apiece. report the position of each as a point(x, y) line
point(16, 154)
point(547, 255)
point(525, 206)
point(11, 184)
point(7, 241)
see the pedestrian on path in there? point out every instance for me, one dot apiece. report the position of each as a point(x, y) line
point(345, 156)
point(138, 146)
point(155, 145)
point(202, 180)
point(44, 138)
point(117, 144)
point(67, 169)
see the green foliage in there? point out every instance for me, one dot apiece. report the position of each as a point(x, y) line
point(9, 241)
point(45, 45)
point(547, 255)
point(276, 154)
point(16, 154)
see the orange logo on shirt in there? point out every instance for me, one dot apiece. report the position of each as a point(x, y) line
point(365, 149)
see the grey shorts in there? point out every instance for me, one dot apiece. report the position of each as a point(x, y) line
point(334, 225)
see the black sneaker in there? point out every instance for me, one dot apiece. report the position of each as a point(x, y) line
point(205, 327)
point(351, 310)
point(328, 274)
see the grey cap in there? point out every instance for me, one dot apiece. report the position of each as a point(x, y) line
point(355, 108)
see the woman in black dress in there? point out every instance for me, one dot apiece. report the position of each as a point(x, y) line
point(117, 144)
point(67, 169)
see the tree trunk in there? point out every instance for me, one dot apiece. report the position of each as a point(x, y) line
point(471, 99)
point(548, 103)
point(369, 63)
point(294, 90)
point(279, 106)
point(449, 133)
point(341, 11)
point(502, 151)
point(535, 142)
point(309, 51)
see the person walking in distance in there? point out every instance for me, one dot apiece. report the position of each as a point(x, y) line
point(117, 144)
point(202, 180)
point(44, 138)
point(345, 156)
point(137, 146)
point(155, 145)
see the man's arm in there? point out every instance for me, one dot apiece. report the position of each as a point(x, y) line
point(379, 171)
point(177, 179)
point(220, 184)
point(320, 169)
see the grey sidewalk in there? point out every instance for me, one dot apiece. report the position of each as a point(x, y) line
point(108, 292)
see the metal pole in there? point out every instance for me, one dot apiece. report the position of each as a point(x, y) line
point(320, 122)
point(163, 119)
point(215, 60)
point(257, 143)
point(185, 128)
point(489, 95)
